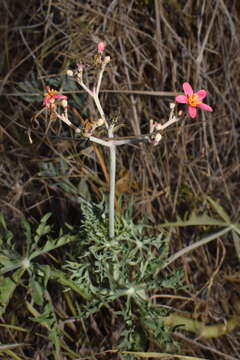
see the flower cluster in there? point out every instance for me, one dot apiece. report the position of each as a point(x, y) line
point(192, 99)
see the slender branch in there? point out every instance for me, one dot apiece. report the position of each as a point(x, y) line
point(112, 184)
point(64, 118)
point(170, 122)
point(100, 79)
point(94, 94)
point(99, 141)
point(194, 246)
point(81, 83)
point(130, 140)
point(108, 142)
point(100, 109)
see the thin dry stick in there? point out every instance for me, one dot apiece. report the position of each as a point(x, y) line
point(158, 33)
point(204, 347)
point(194, 246)
point(136, 126)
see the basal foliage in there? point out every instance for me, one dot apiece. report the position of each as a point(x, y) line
point(120, 274)
point(114, 275)
point(97, 278)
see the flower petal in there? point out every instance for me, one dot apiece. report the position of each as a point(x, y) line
point(59, 96)
point(192, 111)
point(46, 100)
point(181, 99)
point(201, 94)
point(205, 107)
point(188, 91)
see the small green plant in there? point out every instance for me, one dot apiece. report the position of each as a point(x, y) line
point(115, 267)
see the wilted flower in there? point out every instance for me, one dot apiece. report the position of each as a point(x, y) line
point(91, 125)
point(193, 100)
point(106, 60)
point(51, 95)
point(156, 138)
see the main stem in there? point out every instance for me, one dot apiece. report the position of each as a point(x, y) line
point(112, 185)
point(112, 147)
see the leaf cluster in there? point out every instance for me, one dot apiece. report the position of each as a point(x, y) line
point(26, 268)
point(121, 273)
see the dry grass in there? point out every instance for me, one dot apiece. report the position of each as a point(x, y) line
point(155, 46)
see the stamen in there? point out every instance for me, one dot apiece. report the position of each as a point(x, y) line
point(193, 100)
point(51, 92)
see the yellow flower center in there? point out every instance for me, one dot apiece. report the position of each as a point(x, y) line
point(51, 93)
point(193, 100)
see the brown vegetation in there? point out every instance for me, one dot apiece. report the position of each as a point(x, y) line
point(155, 46)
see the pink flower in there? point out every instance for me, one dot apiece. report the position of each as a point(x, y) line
point(50, 96)
point(101, 47)
point(193, 100)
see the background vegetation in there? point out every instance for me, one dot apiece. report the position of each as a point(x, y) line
point(155, 46)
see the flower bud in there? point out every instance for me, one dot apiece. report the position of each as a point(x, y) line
point(100, 122)
point(64, 103)
point(106, 60)
point(69, 72)
point(101, 47)
point(157, 138)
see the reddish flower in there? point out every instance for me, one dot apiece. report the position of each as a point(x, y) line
point(193, 100)
point(50, 96)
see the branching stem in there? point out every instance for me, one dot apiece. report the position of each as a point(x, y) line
point(111, 142)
